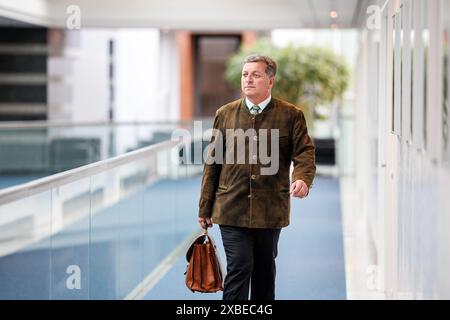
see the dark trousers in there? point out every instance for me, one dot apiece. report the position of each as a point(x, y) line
point(251, 257)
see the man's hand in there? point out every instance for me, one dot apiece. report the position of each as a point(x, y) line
point(299, 189)
point(205, 223)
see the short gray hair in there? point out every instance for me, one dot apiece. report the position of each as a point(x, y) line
point(271, 69)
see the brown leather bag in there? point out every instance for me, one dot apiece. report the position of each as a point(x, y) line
point(204, 270)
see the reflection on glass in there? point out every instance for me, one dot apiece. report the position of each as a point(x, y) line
point(30, 153)
point(426, 46)
point(398, 69)
point(405, 128)
point(70, 240)
point(412, 43)
point(25, 247)
point(446, 84)
point(101, 236)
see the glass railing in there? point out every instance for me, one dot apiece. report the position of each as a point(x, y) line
point(31, 151)
point(98, 231)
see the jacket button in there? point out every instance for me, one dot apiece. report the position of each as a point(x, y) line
point(253, 177)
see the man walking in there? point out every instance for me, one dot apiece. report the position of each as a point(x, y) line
point(248, 199)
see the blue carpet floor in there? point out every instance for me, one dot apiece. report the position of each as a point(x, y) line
point(310, 263)
point(114, 248)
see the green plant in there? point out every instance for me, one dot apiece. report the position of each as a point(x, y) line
point(307, 76)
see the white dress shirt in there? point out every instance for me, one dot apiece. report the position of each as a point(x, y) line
point(262, 105)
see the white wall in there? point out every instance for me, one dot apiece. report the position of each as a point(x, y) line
point(137, 63)
point(78, 77)
point(403, 196)
point(169, 78)
point(90, 77)
point(145, 79)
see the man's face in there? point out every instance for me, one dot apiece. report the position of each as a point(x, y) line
point(255, 83)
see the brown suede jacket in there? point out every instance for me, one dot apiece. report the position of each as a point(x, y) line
point(238, 193)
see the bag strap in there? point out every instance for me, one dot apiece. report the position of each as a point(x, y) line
point(216, 255)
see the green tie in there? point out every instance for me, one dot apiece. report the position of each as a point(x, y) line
point(255, 109)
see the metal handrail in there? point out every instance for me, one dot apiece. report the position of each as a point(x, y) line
point(40, 185)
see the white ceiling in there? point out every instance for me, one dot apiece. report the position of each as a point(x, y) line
point(224, 15)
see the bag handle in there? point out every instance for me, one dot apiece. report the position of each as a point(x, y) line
point(200, 240)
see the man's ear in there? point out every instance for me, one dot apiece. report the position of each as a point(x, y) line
point(271, 81)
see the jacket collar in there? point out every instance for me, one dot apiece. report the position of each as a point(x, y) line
point(265, 110)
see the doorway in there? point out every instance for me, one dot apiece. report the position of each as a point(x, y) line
point(211, 53)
